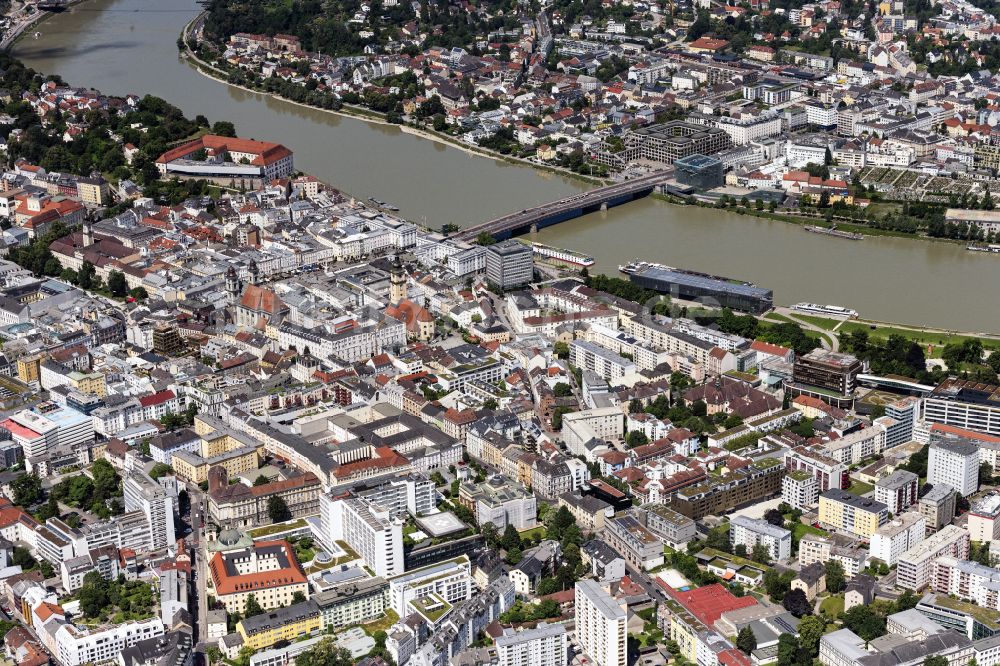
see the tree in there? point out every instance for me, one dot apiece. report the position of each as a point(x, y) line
point(936, 660)
point(561, 350)
point(788, 650)
point(224, 128)
point(27, 489)
point(298, 598)
point(777, 584)
point(160, 469)
point(835, 579)
point(22, 558)
point(796, 603)
point(562, 390)
point(811, 630)
point(775, 517)
point(117, 284)
point(277, 509)
point(514, 556)
point(86, 276)
point(865, 621)
point(636, 438)
point(746, 641)
point(490, 535)
point(252, 607)
point(261, 480)
point(510, 539)
point(761, 553)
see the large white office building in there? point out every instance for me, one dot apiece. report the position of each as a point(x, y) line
point(600, 624)
point(370, 529)
point(955, 463)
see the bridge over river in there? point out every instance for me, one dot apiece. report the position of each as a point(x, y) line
point(567, 208)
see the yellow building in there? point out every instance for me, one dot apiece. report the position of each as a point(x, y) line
point(282, 624)
point(92, 191)
point(89, 382)
point(840, 510)
point(683, 630)
point(29, 369)
point(193, 468)
point(220, 445)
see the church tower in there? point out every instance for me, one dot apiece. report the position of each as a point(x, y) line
point(233, 284)
point(254, 272)
point(397, 282)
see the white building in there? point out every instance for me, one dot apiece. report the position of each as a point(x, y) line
point(955, 463)
point(545, 645)
point(606, 364)
point(915, 567)
point(600, 624)
point(897, 536)
point(370, 529)
point(970, 581)
point(450, 580)
point(749, 532)
point(800, 489)
point(984, 519)
point(157, 503)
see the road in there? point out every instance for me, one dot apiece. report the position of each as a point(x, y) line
point(829, 339)
point(21, 23)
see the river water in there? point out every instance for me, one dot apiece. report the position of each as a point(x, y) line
point(129, 46)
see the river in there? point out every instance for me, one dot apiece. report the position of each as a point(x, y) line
point(129, 46)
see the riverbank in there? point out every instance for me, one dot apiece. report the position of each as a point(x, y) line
point(367, 115)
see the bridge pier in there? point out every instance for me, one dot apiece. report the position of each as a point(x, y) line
point(604, 207)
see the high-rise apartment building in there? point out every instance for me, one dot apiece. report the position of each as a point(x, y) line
point(143, 493)
point(954, 462)
point(600, 624)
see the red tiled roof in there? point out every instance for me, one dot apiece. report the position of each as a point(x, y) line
point(157, 398)
point(709, 602)
point(264, 152)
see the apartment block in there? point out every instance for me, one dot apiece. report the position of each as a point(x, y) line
point(954, 462)
point(545, 645)
point(915, 567)
point(898, 491)
point(600, 624)
point(897, 536)
point(840, 510)
point(750, 533)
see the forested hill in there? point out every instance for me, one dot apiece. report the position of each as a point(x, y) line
point(324, 26)
point(342, 27)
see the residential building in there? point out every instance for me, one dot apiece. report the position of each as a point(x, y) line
point(545, 645)
point(640, 547)
point(915, 567)
point(750, 533)
point(984, 519)
point(898, 491)
point(955, 463)
point(938, 506)
point(600, 624)
point(156, 502)
point(840, 510)
point(897, 536)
